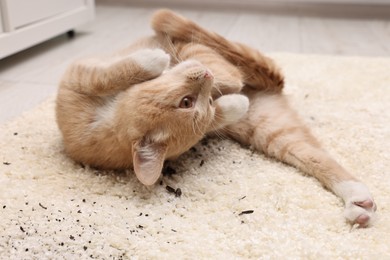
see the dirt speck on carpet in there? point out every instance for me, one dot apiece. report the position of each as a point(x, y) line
point(219, 199)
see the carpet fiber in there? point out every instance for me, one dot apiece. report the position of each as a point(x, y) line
point(235, 203)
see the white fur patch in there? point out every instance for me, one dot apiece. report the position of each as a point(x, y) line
point(351, 192)
point(234, 107)
point(159, 135)
point(154, 61)
point(105, 113)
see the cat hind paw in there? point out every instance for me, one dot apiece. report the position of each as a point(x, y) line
point(359, 206)
point(360, 212)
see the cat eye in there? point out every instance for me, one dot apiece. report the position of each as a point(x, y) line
point(211, 101)
point(187, 102)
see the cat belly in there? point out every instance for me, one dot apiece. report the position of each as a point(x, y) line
point(89, 136)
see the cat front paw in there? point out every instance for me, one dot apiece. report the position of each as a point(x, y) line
point(233, 107)
point(359, 205)
point(153, 61)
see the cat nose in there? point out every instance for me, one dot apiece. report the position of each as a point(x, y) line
point(201, 75)
point(208, 74)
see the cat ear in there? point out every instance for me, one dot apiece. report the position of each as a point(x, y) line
point(148, 160)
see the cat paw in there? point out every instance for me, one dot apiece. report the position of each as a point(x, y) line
point(233, 106)
point(154, 61)
point(359, 205)
point(360, 212)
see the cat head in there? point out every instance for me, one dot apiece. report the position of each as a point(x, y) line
point(169, 115)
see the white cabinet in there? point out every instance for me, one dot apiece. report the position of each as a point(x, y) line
point(1, 23)
point(24, 23)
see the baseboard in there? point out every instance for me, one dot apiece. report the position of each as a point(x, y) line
point(379, 9)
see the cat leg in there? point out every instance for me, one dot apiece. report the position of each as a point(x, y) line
point(272, 127)
point(102, 77)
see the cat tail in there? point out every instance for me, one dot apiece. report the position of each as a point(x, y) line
point(259, 71)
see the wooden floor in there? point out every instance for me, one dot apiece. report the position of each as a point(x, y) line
point(29, 77)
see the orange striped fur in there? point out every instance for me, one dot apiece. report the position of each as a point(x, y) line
point(271, 126)
point(153, 100)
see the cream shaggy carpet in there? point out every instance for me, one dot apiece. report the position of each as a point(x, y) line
point(52, 208)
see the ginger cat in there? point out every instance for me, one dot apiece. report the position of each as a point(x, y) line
point(157, 98)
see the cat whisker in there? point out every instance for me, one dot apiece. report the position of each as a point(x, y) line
point(218, 133)
point(195, 127)
point(193, 43)
point(218, 90)
point(247, 76)
point(173, 51)
point(224, 129)
point(196, 123)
